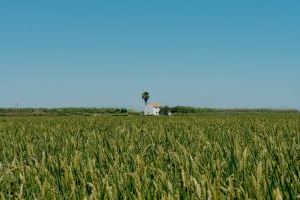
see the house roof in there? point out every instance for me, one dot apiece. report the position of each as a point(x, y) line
point(155, 105)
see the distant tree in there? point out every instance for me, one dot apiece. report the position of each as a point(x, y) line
point(123, 110)
point(145, 97)
point(165, 110)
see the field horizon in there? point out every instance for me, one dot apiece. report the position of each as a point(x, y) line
point(177, 110)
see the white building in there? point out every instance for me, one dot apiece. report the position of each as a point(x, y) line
point(152, 109)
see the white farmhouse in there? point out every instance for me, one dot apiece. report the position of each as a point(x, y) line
point(152, 109)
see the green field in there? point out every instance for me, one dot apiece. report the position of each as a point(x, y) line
point(135, 157)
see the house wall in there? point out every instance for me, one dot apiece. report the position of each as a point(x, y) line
point(147, 110)
point(156, 111)
point(150, 110)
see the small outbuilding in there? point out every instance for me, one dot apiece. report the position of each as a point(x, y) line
point(152, 109)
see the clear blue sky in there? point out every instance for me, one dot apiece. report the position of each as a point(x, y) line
point(106, 53)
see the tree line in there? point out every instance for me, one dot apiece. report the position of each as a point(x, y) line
point(182, 110)
point(61, 111)
point(165, 110)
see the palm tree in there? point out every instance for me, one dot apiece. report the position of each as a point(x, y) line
point(145, 97)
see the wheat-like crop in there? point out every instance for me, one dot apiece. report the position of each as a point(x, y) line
point(135, 157)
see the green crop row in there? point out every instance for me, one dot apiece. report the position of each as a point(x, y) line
point(135, 157)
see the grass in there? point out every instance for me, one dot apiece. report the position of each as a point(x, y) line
point(134, 157)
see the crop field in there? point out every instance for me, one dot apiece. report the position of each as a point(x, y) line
point(243, 156)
